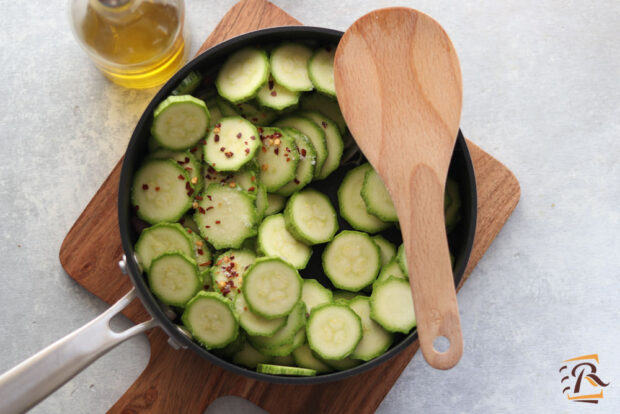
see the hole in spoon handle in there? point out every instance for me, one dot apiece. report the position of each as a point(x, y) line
point(430, 270)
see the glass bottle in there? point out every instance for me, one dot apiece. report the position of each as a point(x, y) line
point(135, 43)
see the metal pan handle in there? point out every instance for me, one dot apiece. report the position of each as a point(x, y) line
point(37, 377)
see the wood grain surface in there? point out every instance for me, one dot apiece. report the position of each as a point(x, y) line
point(182, 382)
point(406, 119)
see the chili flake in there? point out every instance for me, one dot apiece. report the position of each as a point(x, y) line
point(145, 186)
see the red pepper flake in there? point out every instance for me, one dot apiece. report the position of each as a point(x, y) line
point(245, 143)
point(216, 138)
point(253, 178)
point(260, 130)
point(238, 290)
point(239, 135)
point(277, 135)
point(190, 192)
point(200, 251)
point(189, 231)
point(180, 162)
point(255, 119)
point(205, 263)
point(217, 222)
point(247, 150)
point(223, 149)
point(288, 159)
point(324, 124)
point(209, 208)
point(137, 208)
point(193, 149)
point(229, 154)
point(156, 188)
point(276, 150)
point(270, 84)
point(264, 149)
point(145, 186)
point(209, 197)
point(207, 227)
point(181, 177)
point(253, 138)
point(303, 152)
point(187, 186)
point(296, 181)
point(274, 93)
point(201, 210)
point(186, 160)
point(189, 169)
point(218, 125)
point(199, 198)
point(252, 188)
point(203, 141)
point(288, 149)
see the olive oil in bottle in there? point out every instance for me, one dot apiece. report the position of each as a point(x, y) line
point(135, 43)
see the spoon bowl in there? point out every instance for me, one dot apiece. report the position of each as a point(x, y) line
point(398, 82)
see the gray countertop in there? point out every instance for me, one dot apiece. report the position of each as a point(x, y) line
point(541, 93)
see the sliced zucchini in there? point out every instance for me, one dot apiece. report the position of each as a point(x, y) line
point(401, 258)
point(254, 113)
point(187, 161)
point(243, 74)
point(310, 217)
point(228, 271)
point(351, 261)
point(250, 357)
point(202, 256)
point(305, 167)
point(377, 198)
point(289, 66)
point(162, 238)
point(271, 287)
point(375, 340)
point(314, 294)
point(215, 112)
point(295, 322)
point(211, 320)
point(226, 108)
point(275, 204)
point(255, 324)
point(325, 105)
point(179, 122)
point(188, 84)
point(275, 96)
point(231, 144)
point(225, 216)
point(232, 348)
point(392, 269)
point(333, 140)
point(244, 179)
point(321, 70)
point(391, 305)
point(277, 158)
point(315, 134)
point(333, 331)
point(287, 360)
point(283, 350)
point(304, 358)
point(188, 222)
point(161, 191)
point(344, 296)
point(388, 250)
point(173, 278)
point(283, 370)
point(262, 201)
point(352, 206)
point(275, 240)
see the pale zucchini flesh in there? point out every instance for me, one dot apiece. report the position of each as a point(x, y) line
point(271, 287)
point(315, 134)
point(231, 144)
point(325, 105)
point(391, 269)
point(333, 331)
point(173, 278)
point(305, 167)
point(243, 74)
point(333, 141)
point(275, 96)
point(377, 198)
point(162, 238)
point(255, 324)
point(289, 66)
point(275, 240)
point(310, 217)
point(321, 70)
point(375, 340)
point(228, 271)
point(180, 121)
point(211, 320)
point(277, 158)
point(283, 370)
point(387, 249)
point(275, 204)
point(304, 358)
point(314, 294)
point(391, 305)
point(295, 321)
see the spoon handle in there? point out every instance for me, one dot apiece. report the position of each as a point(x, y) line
point(431, 278)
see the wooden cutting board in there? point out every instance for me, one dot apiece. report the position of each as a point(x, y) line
point(182, 382)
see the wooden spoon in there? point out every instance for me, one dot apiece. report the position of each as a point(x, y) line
point(398, 82)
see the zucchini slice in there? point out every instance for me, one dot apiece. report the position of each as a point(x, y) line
point(275, 240)
point(228, 271)
point(375, 340)
point(275, 204)
point(392, 269)
point(391, 305)
point(325, 105)
point(321, 70)
point(333, 331)
point(305, 167)
point(314, 294)
point(315, 134)
point(401, 258)
point(180, 121)
point(289, 66)
point(231, 144)
point(249, 357)
point(333, 141)
point(377, 198)
point(161, 191)
point(225, 216)
point(187, 161)
point(243, 74)
point(310, 217)
point(173, 278)
point(162, 238)
point(304, 358)
point(352, 206)
point(255, 324)
point(283, 370)
point(211, 320)
point(275, 96)
point(388, 250)
point(277, 158)
point(286, 335)
point(271, 287)
point(351, 261)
